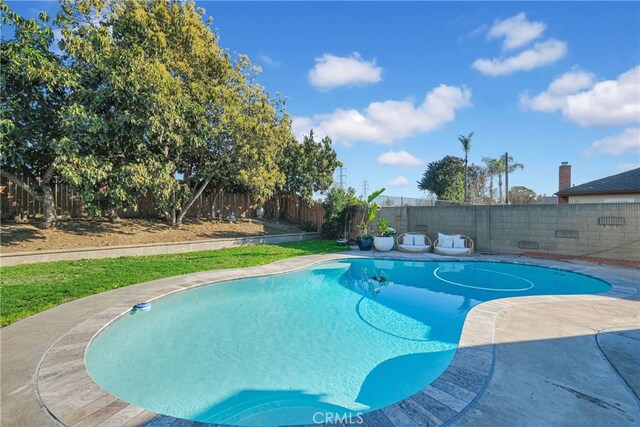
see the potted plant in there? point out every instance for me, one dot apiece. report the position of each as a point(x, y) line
point(365, 239)
point(384, 240)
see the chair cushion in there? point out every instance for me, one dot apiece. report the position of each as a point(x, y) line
point(408, 239)
point(414, 248)
point(453, 251)
point(419, 240)
point(445, 241)
point(458, 243)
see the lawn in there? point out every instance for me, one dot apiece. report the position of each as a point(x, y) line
point(29, 289)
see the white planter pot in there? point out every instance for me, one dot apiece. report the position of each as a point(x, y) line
point(383, 244)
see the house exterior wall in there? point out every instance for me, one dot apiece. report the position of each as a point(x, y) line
point(605, 198)
point(604, 230)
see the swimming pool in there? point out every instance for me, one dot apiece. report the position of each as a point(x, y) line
point(325, 339)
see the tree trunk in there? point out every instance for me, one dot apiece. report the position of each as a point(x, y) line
point(213, 204)
point(170, 216)
point(113, 216)
point(491, 192)
point(465, 177)
point(42, 193)
point(500, 187)
point(190, 202)
point(48, 207)
point(277, 213)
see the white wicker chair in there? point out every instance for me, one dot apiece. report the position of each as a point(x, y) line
point(413, 248)
point(466, 251)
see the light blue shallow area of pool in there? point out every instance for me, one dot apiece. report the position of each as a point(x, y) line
point(276, 350)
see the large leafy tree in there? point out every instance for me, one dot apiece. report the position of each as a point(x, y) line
point(164, 109)
point(308, 167)
point(34, 85)
point(125, 119)
point(340, 207)
point(245, 156)
point(477, 184)
point(520, 195)
point(445, 179)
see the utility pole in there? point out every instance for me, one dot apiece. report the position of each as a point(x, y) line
point(365, 188)
point(342, 176)
point(506, 178)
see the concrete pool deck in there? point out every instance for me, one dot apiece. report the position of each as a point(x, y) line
point(536, 360)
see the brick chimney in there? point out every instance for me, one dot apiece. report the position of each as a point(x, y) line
point(564, 176)
point(564, 180)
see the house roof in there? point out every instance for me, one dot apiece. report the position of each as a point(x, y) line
point(622, 183)
point(547, 200)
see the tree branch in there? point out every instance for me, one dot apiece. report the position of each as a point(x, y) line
point(49, 172)
point(192, 199)
point(20, 183)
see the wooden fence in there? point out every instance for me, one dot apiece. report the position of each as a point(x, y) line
point(17, 203)
point(14, 201)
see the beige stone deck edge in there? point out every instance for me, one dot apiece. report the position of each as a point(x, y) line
point(450, 394)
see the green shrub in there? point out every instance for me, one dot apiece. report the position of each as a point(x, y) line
point(339, 207)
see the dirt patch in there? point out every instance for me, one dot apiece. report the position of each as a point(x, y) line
point(81, 234)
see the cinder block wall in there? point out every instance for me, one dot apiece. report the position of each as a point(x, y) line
point(604, 230)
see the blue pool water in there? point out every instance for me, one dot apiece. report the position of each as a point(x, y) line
point(276, 350)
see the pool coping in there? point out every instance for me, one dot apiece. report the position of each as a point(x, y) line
point(70, 397)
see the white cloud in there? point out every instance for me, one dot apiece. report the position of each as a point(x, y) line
point(398, 158)
point(607, 103)
point(388, 121)
point(301, 126)
point(541, 54)
point(554, 97)
point(623, 167)
point(625, 142)
point(332, 71)
point(517, 31)
point(398, 181)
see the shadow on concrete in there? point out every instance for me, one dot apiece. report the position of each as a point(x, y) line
point(573, 380)
point(622, 350)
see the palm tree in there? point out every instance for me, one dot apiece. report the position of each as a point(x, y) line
point(493, 169)
point(466, 146)
point(502, 166)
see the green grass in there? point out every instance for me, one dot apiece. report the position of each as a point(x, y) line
point(29, 289)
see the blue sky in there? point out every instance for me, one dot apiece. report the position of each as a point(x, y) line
point(394, 84)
